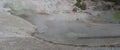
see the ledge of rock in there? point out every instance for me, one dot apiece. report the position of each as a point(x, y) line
point(13, 26)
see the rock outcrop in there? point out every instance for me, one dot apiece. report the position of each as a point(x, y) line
point(13, 26)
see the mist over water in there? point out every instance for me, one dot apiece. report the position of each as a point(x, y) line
point(56, 21)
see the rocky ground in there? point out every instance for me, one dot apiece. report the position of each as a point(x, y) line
point(44, 25)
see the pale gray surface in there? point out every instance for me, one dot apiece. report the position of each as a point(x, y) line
point(11, 26)
point(56, 27)
point(68, 30)
point(30, 43)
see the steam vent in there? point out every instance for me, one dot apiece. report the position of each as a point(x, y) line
point(59, 25)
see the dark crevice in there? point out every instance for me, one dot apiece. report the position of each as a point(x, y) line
point(99, 37)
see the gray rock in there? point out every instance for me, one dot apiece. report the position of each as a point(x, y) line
point(13, 26)
point(30, 43)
